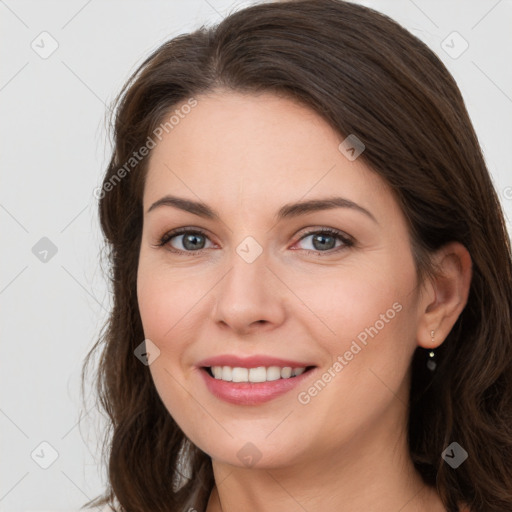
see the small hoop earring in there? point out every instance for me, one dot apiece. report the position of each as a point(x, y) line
point(432, 362)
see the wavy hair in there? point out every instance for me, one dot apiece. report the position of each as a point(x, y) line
point(364, 74)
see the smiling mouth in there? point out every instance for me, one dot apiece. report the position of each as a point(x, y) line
point(255, 375)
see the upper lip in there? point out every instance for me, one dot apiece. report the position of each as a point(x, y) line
point(251, 362)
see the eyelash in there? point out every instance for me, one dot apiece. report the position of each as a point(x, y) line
point(347, 241)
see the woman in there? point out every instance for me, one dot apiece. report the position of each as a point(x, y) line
point(311, 276)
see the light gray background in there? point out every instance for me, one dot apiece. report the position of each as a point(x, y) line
point(54, 149)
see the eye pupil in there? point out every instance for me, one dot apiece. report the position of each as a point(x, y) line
point(190, 241)
point(322, 238)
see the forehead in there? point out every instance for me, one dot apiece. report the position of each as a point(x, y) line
point(258, 150)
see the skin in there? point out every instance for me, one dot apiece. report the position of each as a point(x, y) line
point(346, 449)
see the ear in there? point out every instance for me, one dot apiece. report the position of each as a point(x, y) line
point(444, 295)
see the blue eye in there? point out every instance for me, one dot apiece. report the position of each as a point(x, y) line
point(194, 240)
point(191, 240)
point(324, 240)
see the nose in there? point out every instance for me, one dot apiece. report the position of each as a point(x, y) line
point(249, 298)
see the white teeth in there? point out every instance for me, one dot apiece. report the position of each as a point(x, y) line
point(227, 373)
point(259, 374)
point(240, 375)
point(273, 373)
point(286, 372)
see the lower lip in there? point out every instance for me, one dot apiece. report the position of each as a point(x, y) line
point(251, 393)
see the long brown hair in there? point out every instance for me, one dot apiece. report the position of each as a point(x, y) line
point(367, 76)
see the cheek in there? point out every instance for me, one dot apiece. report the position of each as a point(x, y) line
point(153, 303)
point(161, 307)
point(166, 297)
point(368, 319)
point(373, 317)
point(350, 301)
point(164, 304)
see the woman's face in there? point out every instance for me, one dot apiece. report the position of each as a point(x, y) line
point(256, 282)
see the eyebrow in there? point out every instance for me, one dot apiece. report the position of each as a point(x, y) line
point(287, 211)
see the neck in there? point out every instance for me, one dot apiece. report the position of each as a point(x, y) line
point(371, 472)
